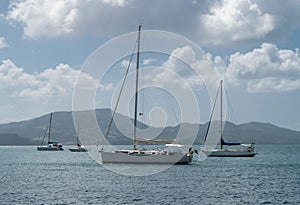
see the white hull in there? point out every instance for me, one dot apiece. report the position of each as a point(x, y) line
point(49, 148)
point(229, 153)
point(119, 157)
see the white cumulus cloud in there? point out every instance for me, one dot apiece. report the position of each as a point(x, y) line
point(264, 69)
point(236, 20)
point(213, 22)
point(53, 82)
point(60, 17)
point(184, 69)
point(11, 75)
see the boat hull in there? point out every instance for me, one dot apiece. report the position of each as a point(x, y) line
point(114, 157)
point(229, 153)
point(50, 149)
point(78, 150)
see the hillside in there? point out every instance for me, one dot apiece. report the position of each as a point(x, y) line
point(13, 139)
point(31, 131)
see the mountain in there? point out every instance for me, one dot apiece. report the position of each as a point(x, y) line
point(266, 133)
point(32, 131)
point(13, 139)
point(63, 129)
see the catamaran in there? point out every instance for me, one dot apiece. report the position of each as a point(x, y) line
point(228, 149)
point(51, 145)
point(141, 156)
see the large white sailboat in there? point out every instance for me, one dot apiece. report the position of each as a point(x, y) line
point(51, 145)
point(228, 149)
point(174, 153)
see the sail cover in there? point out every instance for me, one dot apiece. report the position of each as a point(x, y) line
point(229, 143)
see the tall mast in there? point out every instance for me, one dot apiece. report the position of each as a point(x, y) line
point(49, 133)
point(136, 91)
point(221, 110)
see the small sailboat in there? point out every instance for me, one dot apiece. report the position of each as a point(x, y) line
point(51, 145)
point(80, 147)
point(141, 156)
point(228, 149)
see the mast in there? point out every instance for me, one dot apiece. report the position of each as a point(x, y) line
point(78, 134)
point(49, 133)
point(221, 111)
point(136, 91)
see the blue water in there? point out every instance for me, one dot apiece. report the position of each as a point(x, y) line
point(31, 177)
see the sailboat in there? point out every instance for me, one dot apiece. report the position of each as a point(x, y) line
point(228, 149)
point(141, 156)
point(80, 147)
point(51, 145)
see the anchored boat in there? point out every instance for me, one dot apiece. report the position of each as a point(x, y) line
point(181, 155)
point(51, 145)
point(228, 149)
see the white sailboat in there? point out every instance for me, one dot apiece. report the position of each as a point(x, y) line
point(137, 156)
point(80, 147)
point(228, 149)
point(51, 145)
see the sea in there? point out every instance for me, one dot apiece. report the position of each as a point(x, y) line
point(31, 177)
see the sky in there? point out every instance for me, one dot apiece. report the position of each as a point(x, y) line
point(252, 45)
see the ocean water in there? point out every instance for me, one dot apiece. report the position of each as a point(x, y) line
point(31, 177)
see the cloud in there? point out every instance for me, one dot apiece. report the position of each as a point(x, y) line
point(184, 69)
point(55, 82)
point(212, 22)
point(124, 65)
point(272, 84)
point(174, 71)
point(115, 2)
point(265, 69)
point(62, 18)
point(11, 75)
point(236, 20)
point(148, 61)
point(3, 43)
point(44, 18)
point(52, 82)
